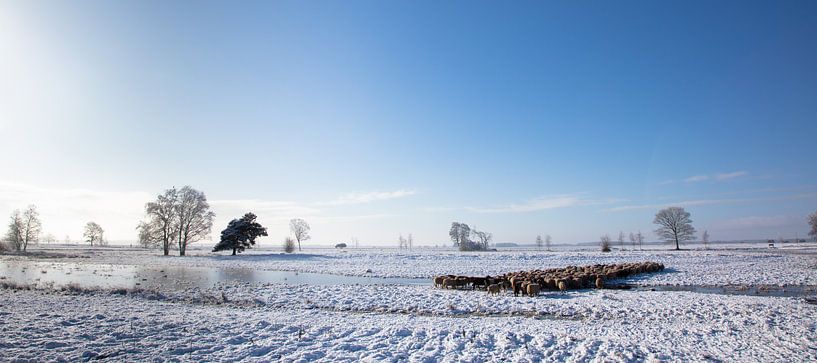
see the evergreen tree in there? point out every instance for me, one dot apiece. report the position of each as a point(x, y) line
point(240, 234)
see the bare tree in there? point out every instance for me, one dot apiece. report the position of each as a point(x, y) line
point(459, 234)
point(356, 242)
point(14, 236)
point(93, 233)
point(161, 218)
point(410, 241)
point(633, 240)
point(605, 243)
point(483, 238)
point(674, 225)
point(193, 216)
point(812, 221)
point(300, 229)
point(539, 242)
point(402, 242)
point(24, 228)
point(621, 239)
point(547, 242)
point(705, 239)
point(640, 238)
point(149, 235)
point(31, 226)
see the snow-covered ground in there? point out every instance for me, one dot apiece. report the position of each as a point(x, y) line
point(262, 322)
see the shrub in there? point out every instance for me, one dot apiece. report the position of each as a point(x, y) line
point(605, 243)
point(471, 246)
point(289, 245)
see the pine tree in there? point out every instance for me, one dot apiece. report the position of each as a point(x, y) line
point(240, 234)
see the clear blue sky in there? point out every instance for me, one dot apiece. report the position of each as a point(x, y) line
point(375, 118)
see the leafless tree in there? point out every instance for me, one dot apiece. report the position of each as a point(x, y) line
point(705, 239)
point(14, 236)
point(161, 218)
point(193, 216)
point(812, 221)
point(410, 241)
point(149, 235)
point(93, 233)
point(300, 229)
point(674, 225)
point(459, 234)
point(640, 238)
point(24, 228)
point(605, 243)
point(633, 240)
point(31, 226)
point(483, 238)
point(402, 242)
point(547, 242)
point(355, 242)
point(539, 242)
point(621, 239)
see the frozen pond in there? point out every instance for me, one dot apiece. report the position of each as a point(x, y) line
point(129, 276)
point(58, 274)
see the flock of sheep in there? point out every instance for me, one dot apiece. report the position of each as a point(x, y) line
point(562, 279)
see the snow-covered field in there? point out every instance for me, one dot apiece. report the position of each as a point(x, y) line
point(262, 322)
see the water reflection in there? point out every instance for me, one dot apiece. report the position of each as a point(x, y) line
point(127, 276)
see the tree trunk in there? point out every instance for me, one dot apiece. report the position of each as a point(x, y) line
point(233, 251)
point(299, 245)
point(677, 246)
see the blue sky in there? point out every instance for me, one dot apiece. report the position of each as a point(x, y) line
point(372, 119)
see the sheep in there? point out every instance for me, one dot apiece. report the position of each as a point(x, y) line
point(518, 287)
point(478, 281)
point(449, 283)
point(562, 285)
point(533, 290)
point(438, 281)
point(599, 283)
point(493, 289)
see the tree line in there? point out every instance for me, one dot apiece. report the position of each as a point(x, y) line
point(180, 217)
point(177, 218)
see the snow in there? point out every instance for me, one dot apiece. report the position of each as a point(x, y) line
point(241, 321)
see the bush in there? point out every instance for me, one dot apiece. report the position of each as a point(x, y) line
point(605, 246)
point(289, 245)
point(340, 245)
point(471, 246)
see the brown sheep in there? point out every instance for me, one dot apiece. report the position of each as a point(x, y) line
point(449, 283)
point(533, 290)
point(562, 285)
point(518, 287)
point(599, 283)
point(493, 289)
point(438, 281)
